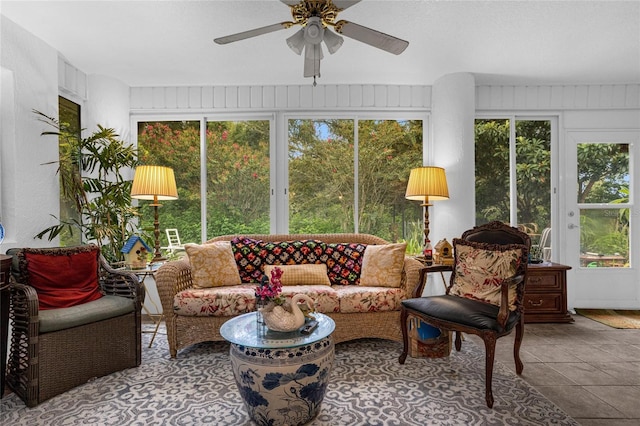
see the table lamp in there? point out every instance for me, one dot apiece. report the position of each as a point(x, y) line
point(427, 183)
point(154, 183)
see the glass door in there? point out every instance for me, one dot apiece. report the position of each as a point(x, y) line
point(599, 224)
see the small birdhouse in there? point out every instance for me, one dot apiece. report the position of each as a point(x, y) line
point(444, 252)
point(136, 252)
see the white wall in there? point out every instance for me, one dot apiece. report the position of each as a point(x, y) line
point(108, 105)
point(453, 115)
point(29, 186)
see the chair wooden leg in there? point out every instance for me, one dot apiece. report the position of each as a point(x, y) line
point(517, 343)
point(404, 316)
point(458, 340)
point(490, 347)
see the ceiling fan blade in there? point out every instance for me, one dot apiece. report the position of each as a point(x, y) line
point(253, 33)
point(344, 4)
point(371, 37)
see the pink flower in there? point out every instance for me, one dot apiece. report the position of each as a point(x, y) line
point(270, 288)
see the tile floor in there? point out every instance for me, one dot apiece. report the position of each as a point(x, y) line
point(588, 369)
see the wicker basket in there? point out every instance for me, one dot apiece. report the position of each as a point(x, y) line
point(426, 341)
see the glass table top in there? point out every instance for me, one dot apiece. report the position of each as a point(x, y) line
point(244, 330)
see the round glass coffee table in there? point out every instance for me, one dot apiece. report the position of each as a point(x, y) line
point(282, 377)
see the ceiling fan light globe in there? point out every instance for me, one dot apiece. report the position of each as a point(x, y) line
point(296, 42)
point(332, 40)
point(313, 31)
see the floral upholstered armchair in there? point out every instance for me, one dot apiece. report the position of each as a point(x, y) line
point(485, 293)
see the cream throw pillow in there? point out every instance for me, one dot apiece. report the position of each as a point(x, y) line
point(382, 265)
point(212, 265)
point(303, 274)
point(481, 268)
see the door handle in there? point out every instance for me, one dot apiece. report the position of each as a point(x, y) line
point(572, 226)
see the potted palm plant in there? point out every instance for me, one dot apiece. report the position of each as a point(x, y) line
point(91, 179)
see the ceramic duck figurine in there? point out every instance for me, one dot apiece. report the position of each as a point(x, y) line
point(287, 317)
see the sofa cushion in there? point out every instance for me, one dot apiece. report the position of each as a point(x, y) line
point(480, 269)
point(251, 255)
point(344, 262)
point(101, 309)
point(305, 274)
point(62, 277)
point(235, 300)
point(215, 301)
point(369, 299)
point(212, 265)
point(325, 298)
point(382, 265)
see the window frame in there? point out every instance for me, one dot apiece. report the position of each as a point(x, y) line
point(554, 120)
point(278, 150)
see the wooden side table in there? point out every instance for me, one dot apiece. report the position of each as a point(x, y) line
point(5, 270)
point(545, 293)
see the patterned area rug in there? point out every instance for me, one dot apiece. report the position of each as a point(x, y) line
point(368, 387)
point(613, 318)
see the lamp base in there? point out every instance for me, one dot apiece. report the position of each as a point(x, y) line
point(157, 255)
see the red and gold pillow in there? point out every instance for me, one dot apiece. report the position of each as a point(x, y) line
point(62, 277)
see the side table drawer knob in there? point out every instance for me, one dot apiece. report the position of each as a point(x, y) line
point(538, 303)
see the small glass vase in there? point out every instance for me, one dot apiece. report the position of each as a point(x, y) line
point(260, 305)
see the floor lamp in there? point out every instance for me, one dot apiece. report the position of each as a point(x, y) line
point(427, 183)
point(154, 183)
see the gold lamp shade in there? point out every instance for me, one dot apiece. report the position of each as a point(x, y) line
point(154, 183)
point(427, 183)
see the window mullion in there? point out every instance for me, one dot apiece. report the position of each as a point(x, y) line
point(513, 186)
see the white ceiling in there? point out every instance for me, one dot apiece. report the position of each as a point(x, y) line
point(160, 43)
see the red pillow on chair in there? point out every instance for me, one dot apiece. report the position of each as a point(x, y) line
point(63, 277)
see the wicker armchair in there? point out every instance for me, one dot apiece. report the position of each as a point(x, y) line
point(54, 350)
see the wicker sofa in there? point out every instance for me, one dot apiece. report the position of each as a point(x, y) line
point(369, 320)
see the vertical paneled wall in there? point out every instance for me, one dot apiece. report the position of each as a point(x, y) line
point(567, 97)
point(307, 97)
point(372, 97)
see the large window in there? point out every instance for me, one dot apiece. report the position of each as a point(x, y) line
point(238, 177)
point(174, 144)
point(344, 175)
point(513, 175)
point(343, 181)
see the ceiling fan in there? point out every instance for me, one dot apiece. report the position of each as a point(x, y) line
point(315, 17)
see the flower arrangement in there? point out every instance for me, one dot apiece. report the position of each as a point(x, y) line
point(270, 288)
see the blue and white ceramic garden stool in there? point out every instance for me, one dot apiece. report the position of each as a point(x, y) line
point(282, 377)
